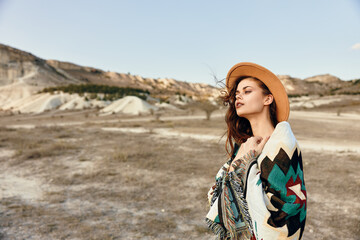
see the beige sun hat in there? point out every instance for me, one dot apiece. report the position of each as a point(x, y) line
point(268, 78)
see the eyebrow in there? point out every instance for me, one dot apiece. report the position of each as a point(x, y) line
point(243, 88)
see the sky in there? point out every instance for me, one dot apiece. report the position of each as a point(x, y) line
point(189, 40)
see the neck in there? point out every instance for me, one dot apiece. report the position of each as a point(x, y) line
point(261, 126)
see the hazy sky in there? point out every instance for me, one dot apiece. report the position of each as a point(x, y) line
point(189, 40)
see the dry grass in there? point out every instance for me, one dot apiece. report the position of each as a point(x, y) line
point(129, 174)
point(37, 144)
point(112, 185)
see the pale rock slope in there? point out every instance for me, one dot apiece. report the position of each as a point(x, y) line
point(23, 74)
point(129, 105)
point(38, 103)
point(79, 103)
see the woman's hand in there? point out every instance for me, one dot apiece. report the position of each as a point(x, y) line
point(253, 143)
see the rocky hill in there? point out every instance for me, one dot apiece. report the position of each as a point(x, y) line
point(22, 74)
point(322, 85)
point(155, 86)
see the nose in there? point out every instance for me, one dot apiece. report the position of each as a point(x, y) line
point(238, 96)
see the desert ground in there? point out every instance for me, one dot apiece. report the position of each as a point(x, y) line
point(77, 175)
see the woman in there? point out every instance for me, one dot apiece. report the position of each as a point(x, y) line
point(259, 192)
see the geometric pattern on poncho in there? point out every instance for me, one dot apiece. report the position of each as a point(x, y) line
point(288, 200)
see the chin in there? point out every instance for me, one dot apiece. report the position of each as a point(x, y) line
point(239, 114)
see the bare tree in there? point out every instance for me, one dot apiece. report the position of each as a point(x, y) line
point(206, 106)
point(157, 114)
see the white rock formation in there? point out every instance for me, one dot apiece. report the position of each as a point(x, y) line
point(129, 105)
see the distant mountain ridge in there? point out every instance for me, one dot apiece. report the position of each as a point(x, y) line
point(24, 70)
point(23, 74)
point(324, 84)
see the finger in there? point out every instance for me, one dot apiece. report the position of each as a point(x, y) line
point(263, 142)
point(257, 139)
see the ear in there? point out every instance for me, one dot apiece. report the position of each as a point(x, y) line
point(268, 99)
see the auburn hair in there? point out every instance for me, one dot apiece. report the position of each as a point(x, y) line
point(239, 128)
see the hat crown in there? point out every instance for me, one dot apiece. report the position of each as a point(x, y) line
point(273, 83)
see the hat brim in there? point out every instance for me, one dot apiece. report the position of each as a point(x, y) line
point(268, 78)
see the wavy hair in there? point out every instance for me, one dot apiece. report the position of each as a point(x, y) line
point(239, 128)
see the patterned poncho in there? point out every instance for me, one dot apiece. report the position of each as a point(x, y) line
point(265, 197)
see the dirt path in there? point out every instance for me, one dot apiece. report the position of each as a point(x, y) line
point(307, 144)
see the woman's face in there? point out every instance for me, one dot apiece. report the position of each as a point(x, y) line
point(249, 98)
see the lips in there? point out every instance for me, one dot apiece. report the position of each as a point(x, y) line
point(238, 104)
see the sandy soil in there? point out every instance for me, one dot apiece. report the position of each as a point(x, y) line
point(75, 175)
